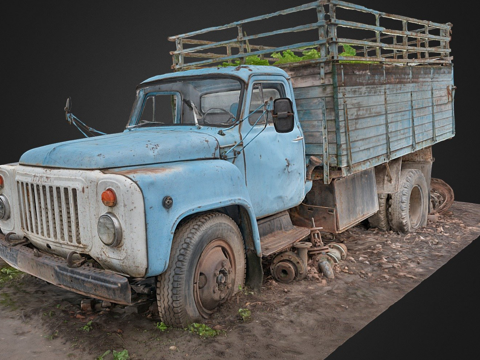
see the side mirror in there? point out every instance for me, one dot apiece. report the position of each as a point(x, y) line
point(283, 115)
point(68, 108)
point(68, 105)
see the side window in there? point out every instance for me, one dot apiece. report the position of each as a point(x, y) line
point(263, 92)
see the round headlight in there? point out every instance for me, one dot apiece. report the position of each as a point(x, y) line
point(4, 208)
point(109, 229)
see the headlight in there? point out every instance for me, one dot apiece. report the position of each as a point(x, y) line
point(4, 208)
point(109, 229)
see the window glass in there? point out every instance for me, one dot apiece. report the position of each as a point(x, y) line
point(220, 107)
point(263, 92)
point(159, 109)
point(187, 101)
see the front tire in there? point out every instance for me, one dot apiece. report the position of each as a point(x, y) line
point(409, 206)
point(207, 266)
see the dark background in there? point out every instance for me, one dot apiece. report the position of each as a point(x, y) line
point(97, 52)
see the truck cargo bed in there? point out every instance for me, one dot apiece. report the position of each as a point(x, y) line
point(372, 112)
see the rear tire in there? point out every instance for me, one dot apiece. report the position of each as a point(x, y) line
point(207, 266)
point(380, 218)
point(409, 206)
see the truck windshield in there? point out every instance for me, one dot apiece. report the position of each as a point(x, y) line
point(187, 101)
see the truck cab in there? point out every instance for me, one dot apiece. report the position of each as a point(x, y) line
point(199, 147)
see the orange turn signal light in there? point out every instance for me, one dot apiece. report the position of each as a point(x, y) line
point(109, 198)
point(1, 182)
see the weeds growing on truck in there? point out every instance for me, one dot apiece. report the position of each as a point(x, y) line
point(236, 156)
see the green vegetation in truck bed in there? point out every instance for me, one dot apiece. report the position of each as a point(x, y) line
point(288, 56)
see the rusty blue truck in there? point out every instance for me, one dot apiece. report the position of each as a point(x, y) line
point(245, 152)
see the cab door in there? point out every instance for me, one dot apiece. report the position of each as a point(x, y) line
point(274, 162)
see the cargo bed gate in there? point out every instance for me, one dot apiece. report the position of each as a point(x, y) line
point(412, 42)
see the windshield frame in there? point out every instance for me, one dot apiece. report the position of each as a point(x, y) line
point(142, 95)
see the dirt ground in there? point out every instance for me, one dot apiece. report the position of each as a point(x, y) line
point(41, 321)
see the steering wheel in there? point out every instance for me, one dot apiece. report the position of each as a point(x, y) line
point(222, 110)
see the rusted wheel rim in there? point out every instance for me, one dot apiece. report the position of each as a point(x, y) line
point(214, 276)
point(442, 196)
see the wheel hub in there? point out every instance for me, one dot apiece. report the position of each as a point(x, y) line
point(214, 277)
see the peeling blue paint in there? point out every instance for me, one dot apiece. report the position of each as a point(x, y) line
point(130, 148)
point(195, 187)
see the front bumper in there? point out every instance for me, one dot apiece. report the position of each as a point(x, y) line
point(97, 283)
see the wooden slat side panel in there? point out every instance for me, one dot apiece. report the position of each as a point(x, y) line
point(309, 70)
point(374, 74)
point(311, 94)
point(369, 98)
point(376, 98)
point(317, 150)
point(314, 103)
point(315, 137)
point(307, 81)
point(364, 88)
point(369, 125)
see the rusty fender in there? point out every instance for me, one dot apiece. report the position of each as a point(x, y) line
point(191, 187)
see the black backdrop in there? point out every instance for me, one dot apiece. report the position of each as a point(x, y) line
point(98, 51)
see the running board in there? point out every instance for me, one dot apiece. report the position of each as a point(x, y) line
point(280, 240)
point(278, 233)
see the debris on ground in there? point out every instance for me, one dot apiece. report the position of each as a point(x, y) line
point(379, 269)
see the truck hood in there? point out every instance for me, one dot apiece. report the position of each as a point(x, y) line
point(130, 148)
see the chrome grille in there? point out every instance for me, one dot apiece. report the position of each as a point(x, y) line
point(50, 212)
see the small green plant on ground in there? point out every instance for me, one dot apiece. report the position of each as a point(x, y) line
point(202, 330)
point(117, 355)
point(245, 314)
point(102, 357)
point(8, 273)
point(87, 327)
point(52, 336)
point(161, 326)
point(51, 313)
point(244, 290)
point(121, 355)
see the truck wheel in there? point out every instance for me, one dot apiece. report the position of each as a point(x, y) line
point(409, 206)
point(207, 266)
point(380, 218)
point(441, 196)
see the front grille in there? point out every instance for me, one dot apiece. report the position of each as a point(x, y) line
point(50, 212)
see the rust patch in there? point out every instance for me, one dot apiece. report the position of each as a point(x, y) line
point(449, 94)
point(143, 170)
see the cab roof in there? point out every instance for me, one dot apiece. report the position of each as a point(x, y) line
point(242, 71)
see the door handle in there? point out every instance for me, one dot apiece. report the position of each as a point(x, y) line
point(298, 138)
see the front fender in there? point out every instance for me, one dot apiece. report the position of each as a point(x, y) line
point(194, 186)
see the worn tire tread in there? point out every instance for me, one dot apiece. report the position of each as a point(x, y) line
point(380, 218)
point(171, 308)
point(399, 203)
